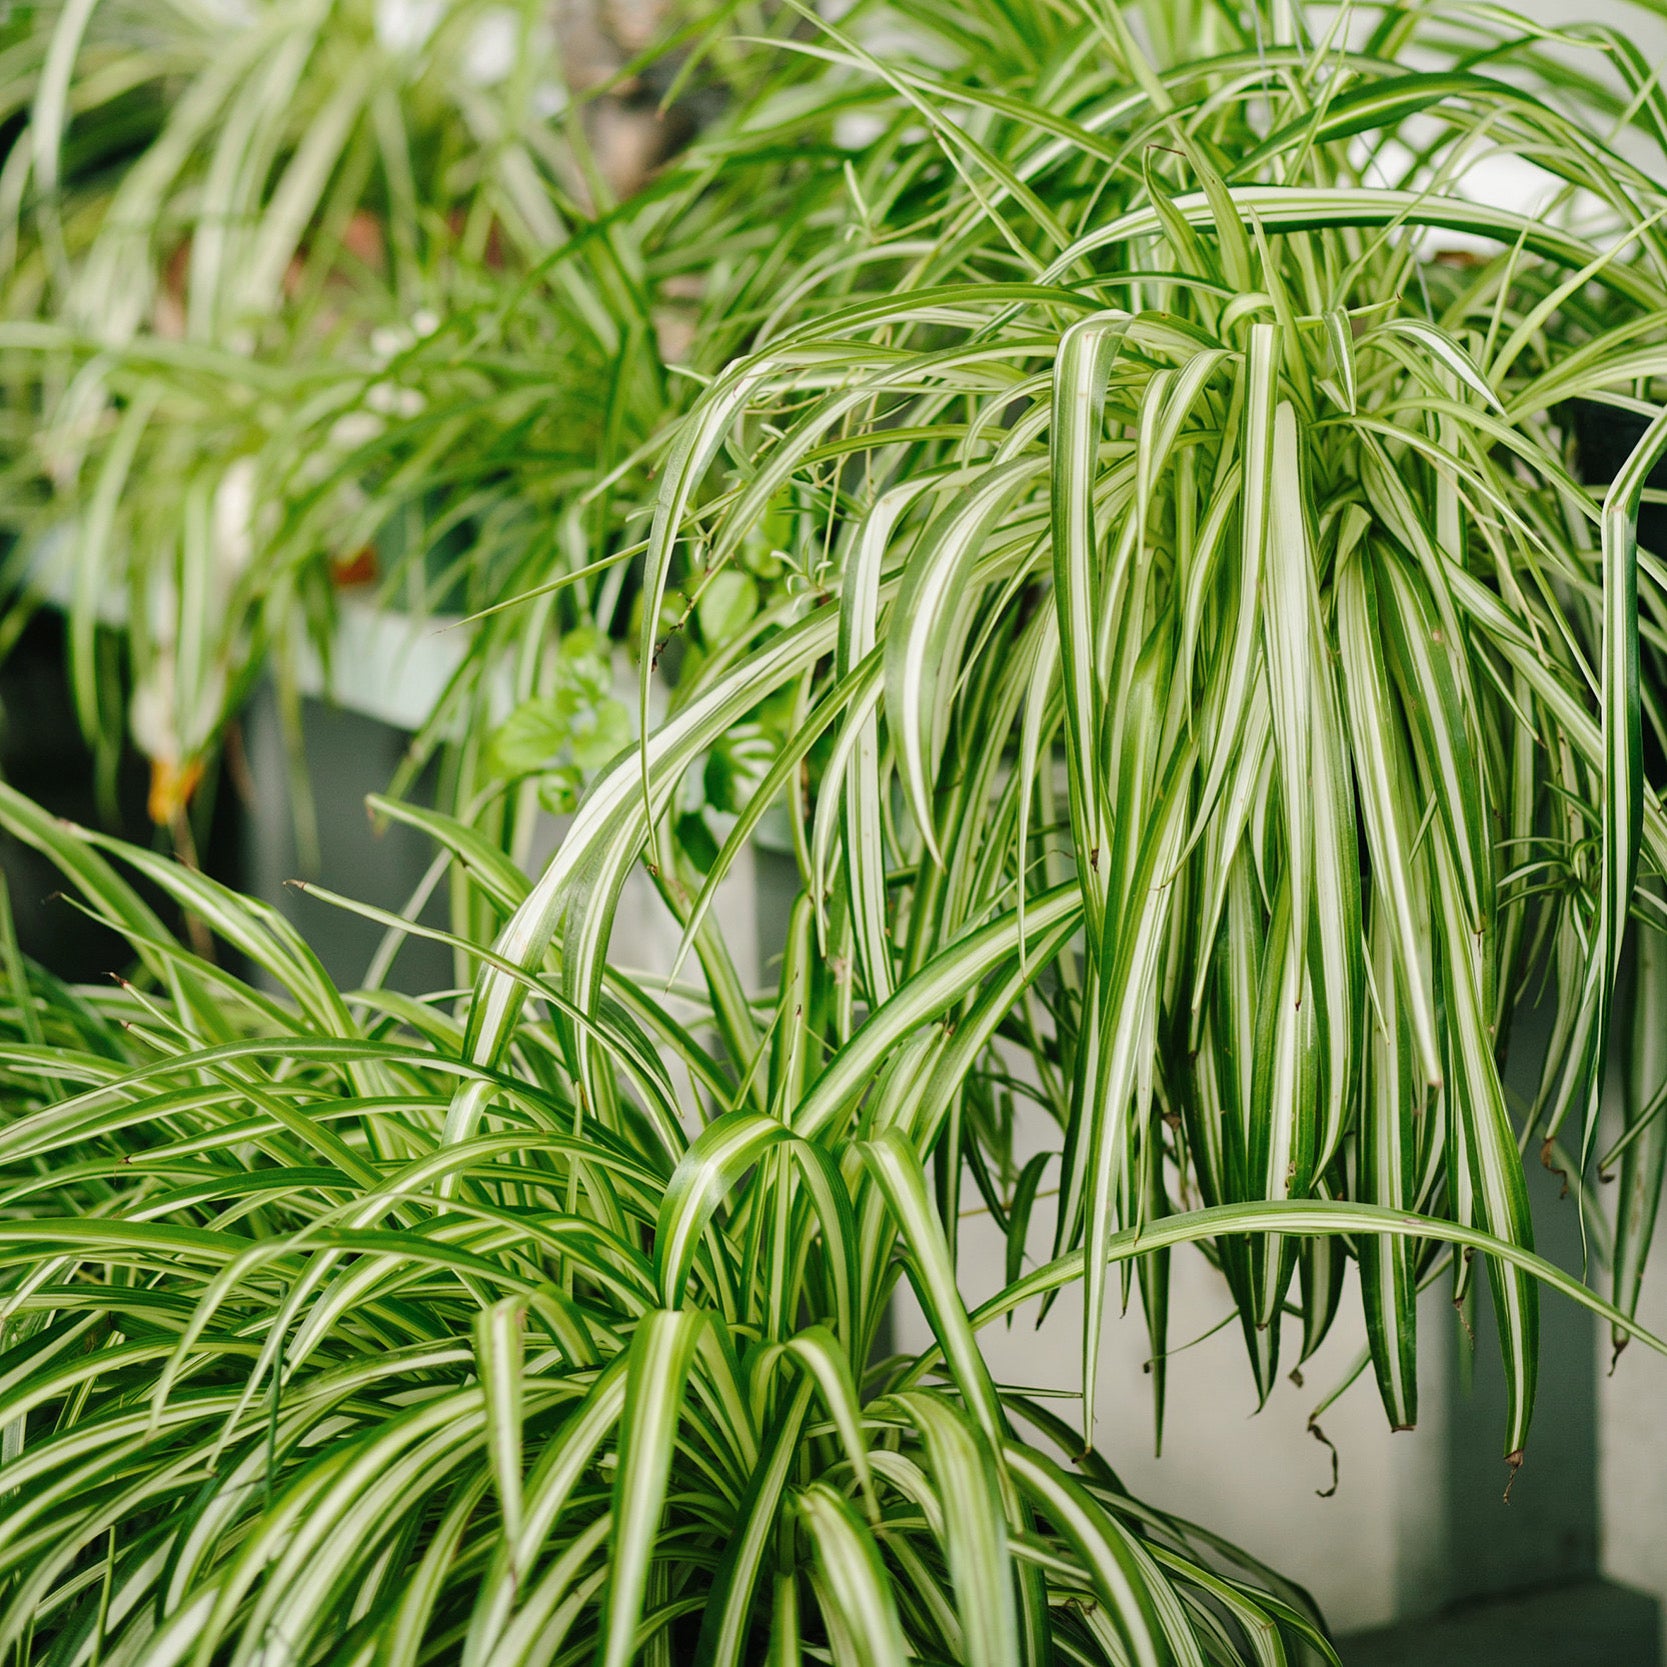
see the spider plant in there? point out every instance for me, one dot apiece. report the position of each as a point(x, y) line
point(350, 1326)
point(489, 1327)
point(1212, 703)
point(307, 298)
point(1203, 551)
point(299, 1360)
point(286, 286)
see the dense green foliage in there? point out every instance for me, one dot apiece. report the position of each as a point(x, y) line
point(1197, 537)
point(286, 292)
point(329, 1337)
point(1137, 552)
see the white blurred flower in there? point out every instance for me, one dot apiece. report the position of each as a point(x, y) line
point(388, 341)
point(405, 25)
point(160, 730)
point(161, 601)
point(394, 401)
point(150, 713)
point(490, 54)
point(234, 520)
point(354, 429)
point(858, 129)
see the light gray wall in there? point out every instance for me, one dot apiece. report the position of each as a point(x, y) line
point(1632, 1449)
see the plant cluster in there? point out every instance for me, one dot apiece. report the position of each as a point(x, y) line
point(1130, 533)
point(286, 290)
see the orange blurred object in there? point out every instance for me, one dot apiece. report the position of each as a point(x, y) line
point(357, 568)
point(171, 787)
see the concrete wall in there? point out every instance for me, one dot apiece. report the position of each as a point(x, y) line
point(1632, 1450)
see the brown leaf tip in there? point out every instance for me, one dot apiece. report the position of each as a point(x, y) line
point(1513, 1463)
